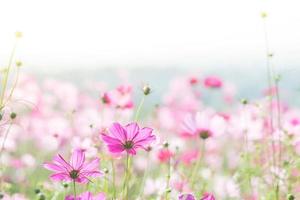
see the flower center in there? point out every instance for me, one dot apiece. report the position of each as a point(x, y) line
point(74, 174)
point(204, 134)
point(128, 145)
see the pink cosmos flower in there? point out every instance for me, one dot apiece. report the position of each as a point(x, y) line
point(86, 196)
point(198, 125)
point(164, 155)
point(128, 138)
point(186, 197)
point(213, 82)
point(208, 196)
point(76, 170)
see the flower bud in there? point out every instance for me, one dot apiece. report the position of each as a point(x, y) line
point(290, 197)
point(146, 90)
point(244, 101)
point(13, 115)
point(166, 144)
point(37, 191)
point(19, 63)
point(18, 34)
point(264, 15)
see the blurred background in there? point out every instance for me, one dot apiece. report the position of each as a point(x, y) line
point(154, 41)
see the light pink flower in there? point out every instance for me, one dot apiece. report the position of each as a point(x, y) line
point(164, 155)
point(213, 82)
point(128, 138)
point(186, 197)
point(76, 170)
point(208, 196)
point(87, 196)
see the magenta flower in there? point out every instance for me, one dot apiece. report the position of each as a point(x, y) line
point(86, 196)
point(186, 197)
point(208, 196)
point(76, 170)
point(128, 138)
point(213, 82)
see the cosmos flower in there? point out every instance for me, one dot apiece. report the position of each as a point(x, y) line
point(128, 138)
point(186, 197)
point(76, 170)
point(87, 196)
point(164, 155)
point(198, 125)
point(213, 82)
point(208, 196)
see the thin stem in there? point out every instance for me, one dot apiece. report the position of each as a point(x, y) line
point(74, 187)
point(14, 87)
point(2, 148)
point(197, 165)
point(168, 179)
point(5, 80)
point(137, 114)
point(144, 177)
point(113, 178)
point(126, 184)
point(269, 74)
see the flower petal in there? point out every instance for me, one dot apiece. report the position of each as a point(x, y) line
point(132, 130)
point(54, 167)
point(118, 132)
point(77, 158)
point(60, 177)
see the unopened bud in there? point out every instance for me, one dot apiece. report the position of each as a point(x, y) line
point(19, 63)
point(146, 90)
point(166, 144)
point(13, 115)
point(18, 34)
point(264, 15)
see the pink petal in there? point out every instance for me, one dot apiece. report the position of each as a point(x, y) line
point(145, 141)
point(131, 151)
point(116, 148)
point(118, 131)
point(95, 173)
point(143, 133)
point(132, 130)
point(110, 140)
point(59, 160)
point(77, 158)
point(93, 165)
point(100, 196)
point(60, 177)
point(53, 167)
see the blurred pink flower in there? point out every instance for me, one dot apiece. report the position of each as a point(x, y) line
point(208, 196)
point(87, 196)
point(128, 138)
point(213, 82)
point(202, 124)
point(164, 155)
point(76, 170)
point(189, 157)
point(186, 197)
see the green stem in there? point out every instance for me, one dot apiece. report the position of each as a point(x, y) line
point(113, 178)
point(74, 187)
point(137, 114)
point(168, 179)
point(1, 151)
point(197, 165)
point(5, 80)
point(126, 184)
point(144, 177)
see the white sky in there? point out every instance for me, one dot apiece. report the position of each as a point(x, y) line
point(221, 33)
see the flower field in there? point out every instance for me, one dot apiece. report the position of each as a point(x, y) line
point(62, 142)
point(198, 139)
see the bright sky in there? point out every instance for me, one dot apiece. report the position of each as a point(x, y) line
point(220, 33)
